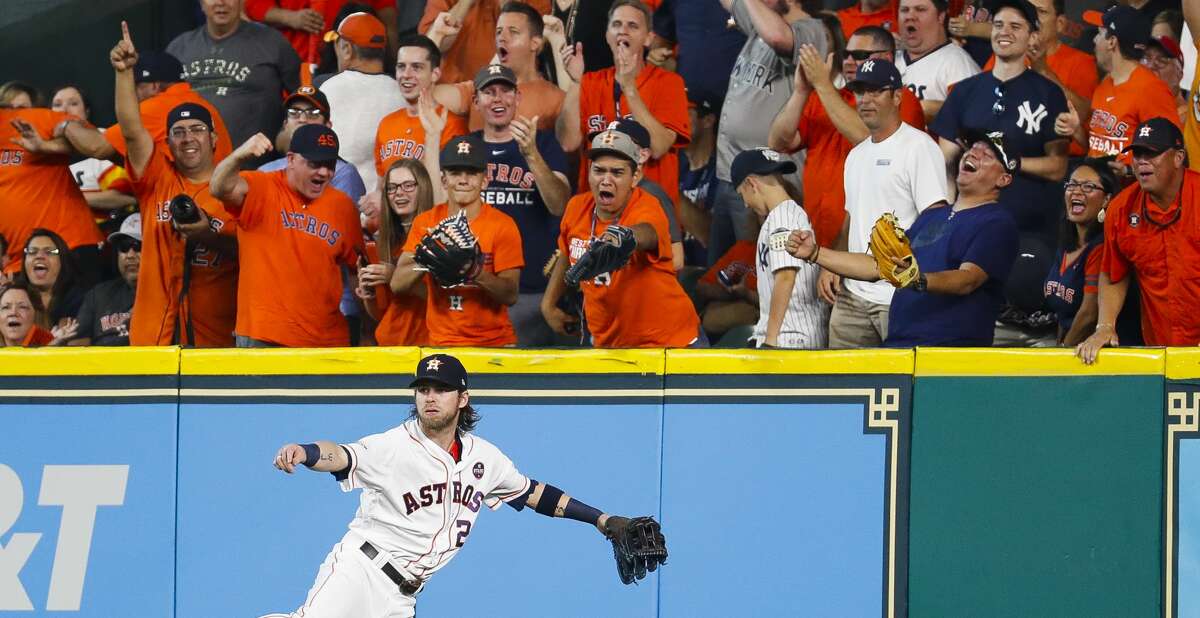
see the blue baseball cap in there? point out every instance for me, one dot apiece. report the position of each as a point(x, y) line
point(875, 74)
point(315, 142)
point(759, 162)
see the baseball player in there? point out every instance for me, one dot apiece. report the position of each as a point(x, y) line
point(790, 315)
point(423, 484)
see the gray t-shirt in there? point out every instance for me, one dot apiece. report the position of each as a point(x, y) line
point(243, 75)
point(759, 87)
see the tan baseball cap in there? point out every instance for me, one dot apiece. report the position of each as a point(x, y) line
point(613, 142)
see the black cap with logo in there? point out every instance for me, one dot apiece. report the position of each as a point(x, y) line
point(759, 162)
point(465, 152)
point(189, 111)
point(1156, 135)
point(313, 96)
point(155, 66)
point(876, 73)
point(442, 369)
point(315, 142)
point(996, 142)
point(494, 73)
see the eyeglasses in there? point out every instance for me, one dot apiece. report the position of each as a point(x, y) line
point(406, 186)
point(195, 130)
point(311, 114)
point(865, 54)
point(41, 251)
point(125, 245)
point(1086, 187)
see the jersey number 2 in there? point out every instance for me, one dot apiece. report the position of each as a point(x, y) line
point(464, 528)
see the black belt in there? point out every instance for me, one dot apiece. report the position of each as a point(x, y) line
point(406, 586)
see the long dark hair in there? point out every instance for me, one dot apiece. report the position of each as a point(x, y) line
point(68, 273)
point(391, 229)
point(468, 417)
point(1068, 237)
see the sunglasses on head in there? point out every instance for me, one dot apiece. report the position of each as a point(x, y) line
point(864, 54)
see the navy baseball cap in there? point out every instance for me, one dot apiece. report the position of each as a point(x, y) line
point(1126, 23)
point(759, 162)
point(994, 140)
point(313, 96)
point(1156, 135)
point(1024, 7)
point(442, 369)
point(875, 73)
point(634, 129)
point(157, 67)
point(315, 142)
point(494, 73)
point(189, 111)
point(465, 152)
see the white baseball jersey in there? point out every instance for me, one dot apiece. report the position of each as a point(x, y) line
point(930, 76)
point(806, 321)
point(904, 174)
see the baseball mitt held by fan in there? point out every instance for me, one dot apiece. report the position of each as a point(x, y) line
point(888, 241)
point(638, 545)
point(605, 254)
point(450, 252)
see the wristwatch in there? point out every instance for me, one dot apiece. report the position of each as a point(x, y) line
point(921, 284)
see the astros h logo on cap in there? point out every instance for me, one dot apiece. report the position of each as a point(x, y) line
point(464, 148)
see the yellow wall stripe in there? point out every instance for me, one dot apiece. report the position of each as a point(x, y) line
point(783, 362)
point(507, 360)
point(1183, 363)
point(89, 361)
point(279, 361)
point(1027, 362)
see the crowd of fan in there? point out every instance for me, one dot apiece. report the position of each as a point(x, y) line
point(272, 172)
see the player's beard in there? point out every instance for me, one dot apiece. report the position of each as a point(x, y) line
point(438, 425)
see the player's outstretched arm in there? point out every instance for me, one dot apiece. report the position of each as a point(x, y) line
point(322, 456)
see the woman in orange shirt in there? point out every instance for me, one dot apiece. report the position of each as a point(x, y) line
point(18, 306)
point(407, 192)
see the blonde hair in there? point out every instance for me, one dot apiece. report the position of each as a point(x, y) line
point(391, 229)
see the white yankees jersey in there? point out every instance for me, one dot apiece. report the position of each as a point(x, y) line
point(418, 505)
point(930, 76)
point(806, 322)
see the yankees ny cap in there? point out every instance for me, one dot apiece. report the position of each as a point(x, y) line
point(1124, 22)
point(465, 152)
point(443, 369)
point(875, 74)
point(189, 111)
point(131, 227)
point(315, 142)
point(615, 143)
point(361, 30)
point(995, 141)
point(313, 96)
point(155, 66)
point(759, 162)
point(494, 73)
point(1156, 135)
point(1024, 7)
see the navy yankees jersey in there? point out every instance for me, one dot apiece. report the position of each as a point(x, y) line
point(1024, 108)
point(510, 187)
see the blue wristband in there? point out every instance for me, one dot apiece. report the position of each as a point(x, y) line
point(312, 454)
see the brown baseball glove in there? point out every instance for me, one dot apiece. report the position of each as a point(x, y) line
point(889, 244)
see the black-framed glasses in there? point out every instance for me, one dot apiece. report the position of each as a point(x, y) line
point(295, 113)
point(406, 186)
point(1086, 187)
point(864, 54)
point(124, 245)
point(42, 251)
point(195, 130)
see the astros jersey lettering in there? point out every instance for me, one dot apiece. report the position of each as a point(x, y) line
point(806, 321)
point(931, 76)
point(1118, 110)
point(292, 251)
point(640, 305)
point(664, 95)
point(159, 318)
point(401, 136)
point(38, 190)
point(467, 315)
point(154, 117)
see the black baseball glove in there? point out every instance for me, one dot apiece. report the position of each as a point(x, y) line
point(605, 254)
point(450, 252)
point(638, 545)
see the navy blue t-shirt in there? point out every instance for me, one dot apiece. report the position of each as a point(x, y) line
point(510, 187)
point(942, 240)
point(1064, 289)
point(1024, 108)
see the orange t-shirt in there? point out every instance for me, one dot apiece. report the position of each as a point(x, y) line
point(39, 191)
point(1118, 110)
point(664, 95)
point(852, 18)
point(154, 117)
point(403, 319)
point(37, 337)
point(640, 305)
point(401, 136)
point(824, 191)
point(292, 252)
point(1076, 70)
point(475, 44)
point(1165, 256)
point(466, 315)
point(743, 253)
point(538, 98)
point(211, 301)
point(1191, 123)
